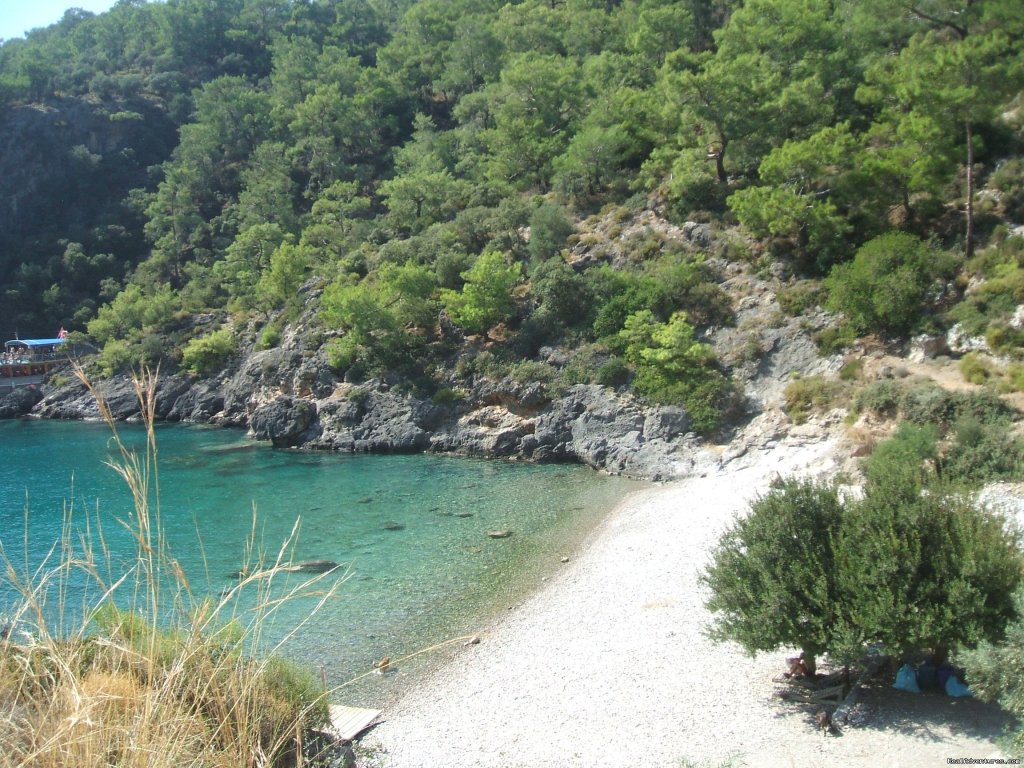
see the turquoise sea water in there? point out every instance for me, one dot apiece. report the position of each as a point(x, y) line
point(410, 531)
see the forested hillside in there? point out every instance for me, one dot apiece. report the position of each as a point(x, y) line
point(416, 171)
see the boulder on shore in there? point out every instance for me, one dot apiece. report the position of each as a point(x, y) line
point(18, 402)
point(283, 421)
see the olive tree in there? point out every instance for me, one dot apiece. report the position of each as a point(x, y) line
point(904, 569)
point(927, 570)
point(996, 672)
point(773, 577)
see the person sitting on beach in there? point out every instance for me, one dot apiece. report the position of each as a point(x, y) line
point(797, 667)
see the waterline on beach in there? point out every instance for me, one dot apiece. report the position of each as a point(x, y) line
point(409, 532)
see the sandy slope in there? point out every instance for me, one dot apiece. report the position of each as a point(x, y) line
point(607, 666)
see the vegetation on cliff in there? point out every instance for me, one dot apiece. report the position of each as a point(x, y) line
point(430, 166)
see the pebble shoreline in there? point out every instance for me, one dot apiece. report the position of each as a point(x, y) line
point(607, 664)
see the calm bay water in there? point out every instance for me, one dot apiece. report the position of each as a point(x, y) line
point(411, 531)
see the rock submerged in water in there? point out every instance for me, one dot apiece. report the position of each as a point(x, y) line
point(306, 566)
point(502, 534)
point(391, 525)
point(313, 566)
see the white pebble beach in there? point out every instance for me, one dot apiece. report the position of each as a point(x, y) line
point(607, 664)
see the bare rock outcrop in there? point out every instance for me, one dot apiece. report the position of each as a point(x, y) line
point(284, 421)
point(18, 402)
point(75, 401)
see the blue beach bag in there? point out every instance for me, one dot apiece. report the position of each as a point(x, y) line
point(906, 680)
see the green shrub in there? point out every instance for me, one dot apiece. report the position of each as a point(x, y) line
point(982, 453)
point(880, 397)
point(117, 355)
point(995, 299)
point(464, 367)
point(672, 367)
point(614, 373)
point(925, 402)
point(584, 364)
point(531, 371)
point(644, 246)
point(801, 296)
point(996, 673)
point(448, 397)
point(672, 283)
point(207, 354)
point(270, 337)
point(928, 403)
point(487, 363)
point(561, 293)
point(984, 406)
point(886, 286)
point(835, 338)
point(1015, 377)
point(1008, 178)
point(804, 396)
point(899, 462)
point(975, 368)
point(852, 370)
point(772, 577)
point(343, 356)
point(449, 266)
point(924, 570)
point(1004, 339)
point(549, 227)
point(903, 569)
point(486, 296)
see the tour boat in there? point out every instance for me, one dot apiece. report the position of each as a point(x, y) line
point(27, 361)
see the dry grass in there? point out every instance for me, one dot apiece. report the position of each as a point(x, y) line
point(153, 674)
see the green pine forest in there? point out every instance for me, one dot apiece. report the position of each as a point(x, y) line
point(401, 174)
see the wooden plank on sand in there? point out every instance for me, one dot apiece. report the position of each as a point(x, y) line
point(349, 722)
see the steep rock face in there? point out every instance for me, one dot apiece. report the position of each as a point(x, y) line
point(178, 398)
point(262, 377)
point(291, 397)
point(80, 148)
point(590, 424)
point(374, 419)
point(605, 430)
point(200, 402)
point(74, 401)
point(763, 348)
point(284, 421)
point(493, 430)
point(170, 390)
point(18, 402)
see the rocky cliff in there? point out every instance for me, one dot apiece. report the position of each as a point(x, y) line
point(290, 397)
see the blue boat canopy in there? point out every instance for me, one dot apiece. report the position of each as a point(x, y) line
point(32, 343)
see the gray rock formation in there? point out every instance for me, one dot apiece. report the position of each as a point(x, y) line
point(372, 418)
point(19, 401)
point(284, 421)
point(74, 401)
point(290, 396)
point(201, 402)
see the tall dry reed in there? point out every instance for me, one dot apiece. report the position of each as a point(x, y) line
point(149, 672)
